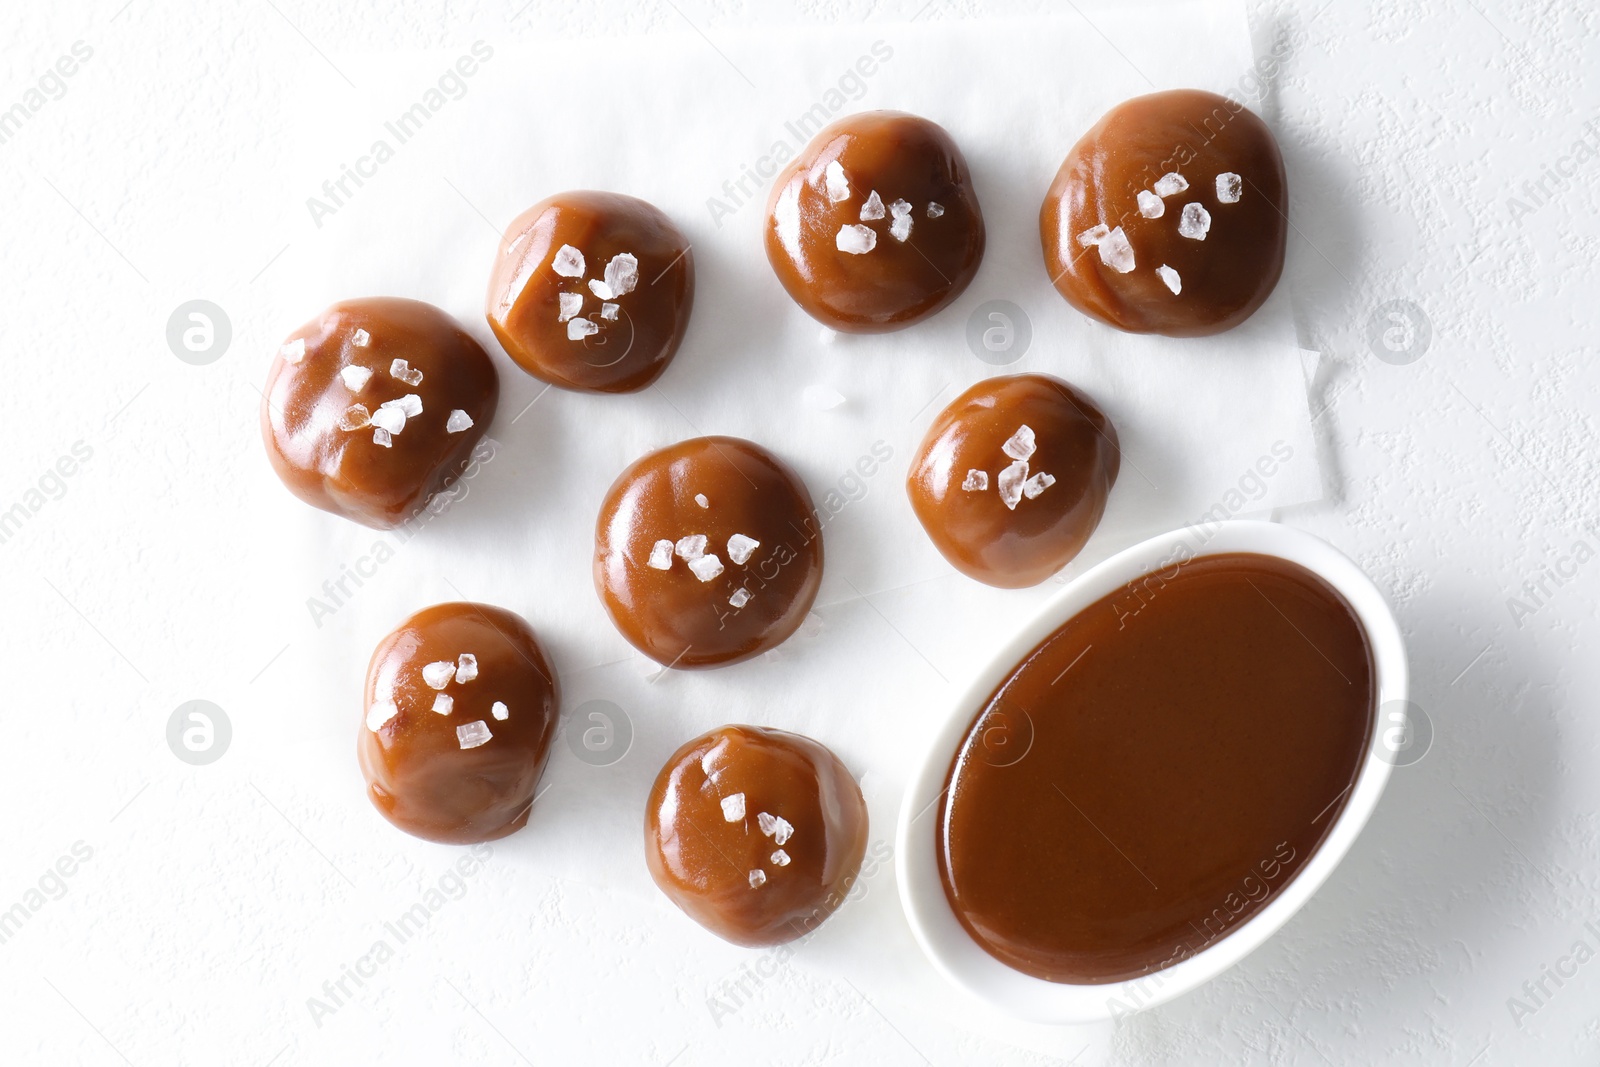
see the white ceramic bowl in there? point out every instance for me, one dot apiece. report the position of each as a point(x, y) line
point(959, 958)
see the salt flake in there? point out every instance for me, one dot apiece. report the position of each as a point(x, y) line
point(438, 674)
point(706, 567)
point(691, 548)
point(1116, 252)
point(935, 210)
point(444, 703)
point(661, 555)
point(499, 710)
point(459, 420)
point(1021, 445)
point(1170, 183)
point(1094, 235)
point(1010, 483)
point(578, 329)
point(355, 417)
point(872, 210)
point(608, 312)
point(1194, 223)
point(568, 262)
point(741, 547)
point(700, 498)
point(466, 667)
point(1037, 484)
point(382, 438)
point(758, 878)
point(1170, 277)
point(571, 304)
point(600, 289)
point(856, 239)
point(1229, 187)
point(838, 185)
point(293, 351)
point(405, 372)
point(775, 826)
point(355, 378)
point(780, 858)
point(473, 734)
point(976, 481)
point(733, 808)
point(361, 339)
point(1151, 206)
point(740, 597)
point(622, 274)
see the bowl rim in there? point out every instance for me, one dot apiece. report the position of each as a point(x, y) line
point(949, 947)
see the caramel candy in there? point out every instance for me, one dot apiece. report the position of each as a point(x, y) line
point(374, 406)
point(592, 291)
point(459, 712)
point(755, 834)
point(707, 552)
point(1170, 216)
point(875, 225)
point(1012, 478)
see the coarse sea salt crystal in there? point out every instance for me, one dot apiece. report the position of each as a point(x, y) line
point(293, 351)
point(700, 498)
point(411, 404)
point(706, 567)
point(473, 734)
point(976, 481)
point(466, 667)
point(402, 370)
point(758, 878)
point(1170, 277)
point(381, 437)
point(355, 378)
point(935, 210)
point(733, 808)
point(499, 710)
point(691, 548)
point(355, 417)
point(1116, 252)
point(608, 312)
point(780, 858)
point(1010, 483)
point(389, 417)
point(838, 185)
point(1021, 445)
point(459, 420)
point(661, 555)
point(740, 597)
point(600, 289)
point(1151, 206)
point(571, 304)
point(1037, 484)
point(622, 274)
point(578, 329)
point(438, 674)
point(856, 239)
point(1194, 223)
point(900, 225)
point(1170, 183)
point(741, 547)
point(361, 338)
point(776, 827)
point(444, 703)
point(1094, 235)
point(872, 210)
point(379, 714)
point(1229, 187)
point(568, 262)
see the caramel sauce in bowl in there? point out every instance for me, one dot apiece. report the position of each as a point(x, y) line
point(1056, 914)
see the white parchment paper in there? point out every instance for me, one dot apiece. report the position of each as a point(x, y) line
point(695, 124)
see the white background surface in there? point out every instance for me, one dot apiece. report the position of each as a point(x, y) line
point(217, 899)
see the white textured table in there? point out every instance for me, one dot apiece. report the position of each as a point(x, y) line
point(1444, 172)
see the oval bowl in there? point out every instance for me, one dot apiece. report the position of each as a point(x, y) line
point(962, 960)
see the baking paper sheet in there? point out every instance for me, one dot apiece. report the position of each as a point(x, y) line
point(694, 123)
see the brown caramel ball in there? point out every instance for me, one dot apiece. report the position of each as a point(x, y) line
point(707, 552)
point(1170, 216)
point(592, 291)
point(374, 406)
point(755, 834)
point(875, 225)
point(459, 711)
point(1012, 478)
